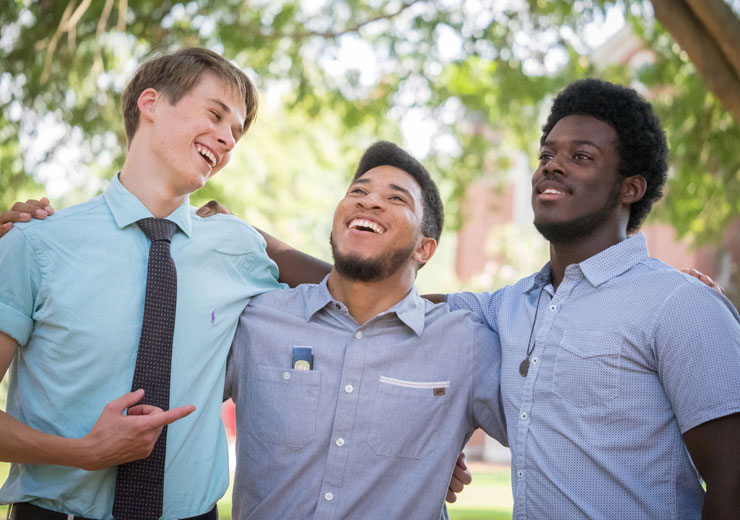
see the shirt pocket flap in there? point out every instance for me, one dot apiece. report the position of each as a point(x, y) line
point(590, 343)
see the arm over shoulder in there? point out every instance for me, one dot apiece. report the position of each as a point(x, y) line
point(488, 410)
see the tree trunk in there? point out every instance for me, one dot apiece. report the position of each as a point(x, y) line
point(694, 38)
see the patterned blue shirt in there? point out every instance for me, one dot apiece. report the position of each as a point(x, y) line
point(628, 355)
point(374, 429)
point(72, 295)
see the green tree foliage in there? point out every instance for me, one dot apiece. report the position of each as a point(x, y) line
point(478, 73)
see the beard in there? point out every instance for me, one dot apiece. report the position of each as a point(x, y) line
point(580, 227)
point(355, 267)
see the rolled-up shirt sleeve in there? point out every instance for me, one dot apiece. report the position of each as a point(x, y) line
point(20, 278)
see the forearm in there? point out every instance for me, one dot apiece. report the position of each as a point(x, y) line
point(295, 266)
point(21, 443)
point(721, 501)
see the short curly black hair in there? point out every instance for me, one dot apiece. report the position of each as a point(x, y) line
point(642, 144)
point(384, 153)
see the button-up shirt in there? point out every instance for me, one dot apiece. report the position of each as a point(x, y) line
point(72, 295)
point(628, 354)
point(374, 428)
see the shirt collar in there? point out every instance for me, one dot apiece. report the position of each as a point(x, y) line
point(605, 265)
point(411, 310)
point(127, 209)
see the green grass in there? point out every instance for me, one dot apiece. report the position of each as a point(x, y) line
point(487, 498)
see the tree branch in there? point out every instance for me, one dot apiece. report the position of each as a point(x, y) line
point(709, 60)
point(721, 21)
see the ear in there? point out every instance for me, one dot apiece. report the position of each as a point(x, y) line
point(633, 189)
point(426, 250)
point(146, 104)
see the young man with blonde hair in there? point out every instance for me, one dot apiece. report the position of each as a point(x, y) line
point(73, 294)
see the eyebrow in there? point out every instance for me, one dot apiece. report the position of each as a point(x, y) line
point(237, 133)
point(393, 186)
point(576, 142)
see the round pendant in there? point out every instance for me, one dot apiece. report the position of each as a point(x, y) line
point(524, 367)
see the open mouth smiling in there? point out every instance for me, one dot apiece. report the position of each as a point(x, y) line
point(369, 226)
point(208, 155)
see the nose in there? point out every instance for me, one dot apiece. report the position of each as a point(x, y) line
point(370, 201)
point(226, 138)
point(553, 165)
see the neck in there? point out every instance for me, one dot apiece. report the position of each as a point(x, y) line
point(365, 300)
point(564, 254)
point(141, 176)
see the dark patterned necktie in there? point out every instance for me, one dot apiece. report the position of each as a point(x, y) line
point(139, 484)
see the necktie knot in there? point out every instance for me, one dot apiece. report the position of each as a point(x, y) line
point(158, 228)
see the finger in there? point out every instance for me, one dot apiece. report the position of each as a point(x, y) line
point(451, 497)
point(455, 484)
point(144, 409)
point(170, 416)
point(4, 228)
point(462, 461)
point(15, 216)
point(47, 205)
point(204, 210)
point(125, 401)
point(32, 206)
point(463, 475)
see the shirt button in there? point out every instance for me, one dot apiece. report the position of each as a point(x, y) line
point(329, 496)
point(358, 334)
point(535, 360)
point(553, 308)
point(348, 389)
point(523, 416)
point(286, 375)
point(520, 473)
point(337, 306)
point(340, 442)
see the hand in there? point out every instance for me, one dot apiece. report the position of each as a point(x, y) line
point(117, 438)
point(212, 208)
point(704, 278)
point(23, 211)
point(461, 477)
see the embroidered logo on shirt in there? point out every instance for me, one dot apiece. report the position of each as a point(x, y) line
point(438, 391)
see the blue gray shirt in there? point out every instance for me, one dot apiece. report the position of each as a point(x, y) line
point(628, 355)
point(72, 295)
point(374, 429)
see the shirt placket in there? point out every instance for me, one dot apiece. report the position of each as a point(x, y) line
point(548, 313)
point(341, 434)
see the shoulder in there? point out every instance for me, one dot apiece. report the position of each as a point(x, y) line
point(229, 233)
point(289, 300)
point(441, 317)
point(71, 218)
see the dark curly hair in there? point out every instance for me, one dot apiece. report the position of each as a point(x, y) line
point(642, 145)
point(384, 153)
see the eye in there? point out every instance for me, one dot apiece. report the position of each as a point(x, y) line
point(545, 156)
point(580, 156)
point(397, 198)
point(216, 114)
point(357, 191)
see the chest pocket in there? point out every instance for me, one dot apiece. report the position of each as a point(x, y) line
point(285, 405)
point(587, 367)
point(407, 416)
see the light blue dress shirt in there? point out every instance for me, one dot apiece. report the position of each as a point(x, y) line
point(374, 429)
point(628, 355)
point(72, 295)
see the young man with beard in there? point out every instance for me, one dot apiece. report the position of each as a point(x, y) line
point(354, 396)
point(74, 315)
point(620, 375)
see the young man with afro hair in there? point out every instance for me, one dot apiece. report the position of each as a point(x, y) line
point(620, 375)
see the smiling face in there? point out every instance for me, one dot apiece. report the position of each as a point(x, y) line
point(577, 188)
point(193, 139)
point(377, 226)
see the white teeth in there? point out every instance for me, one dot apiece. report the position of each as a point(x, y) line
point(361, 222)
point(553, 190)
point(205, 152)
